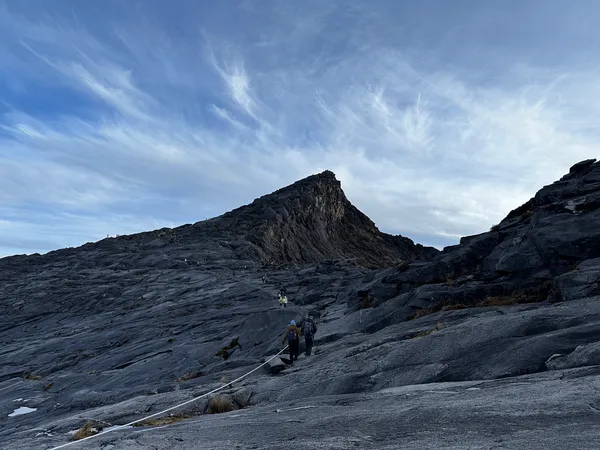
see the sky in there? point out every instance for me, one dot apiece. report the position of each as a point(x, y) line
point(437, 117)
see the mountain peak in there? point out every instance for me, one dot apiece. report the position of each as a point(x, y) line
point(311, 220)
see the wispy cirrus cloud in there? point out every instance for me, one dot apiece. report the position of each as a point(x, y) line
point(124, 118)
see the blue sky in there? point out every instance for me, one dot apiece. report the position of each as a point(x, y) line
point(438, 117)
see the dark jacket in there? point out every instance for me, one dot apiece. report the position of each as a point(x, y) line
point(314, 325)
point(290, 328)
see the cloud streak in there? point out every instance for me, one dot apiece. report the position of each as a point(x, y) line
point(169, 116)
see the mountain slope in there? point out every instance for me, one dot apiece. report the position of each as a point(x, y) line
point(501, 331)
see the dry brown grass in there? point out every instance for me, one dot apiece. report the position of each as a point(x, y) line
point(31, 377)
point(422, 313)
point(500, 300)
point(419, 334)
point(533, 294)
point(220, 404)
point(167, 420)
point(89, 429)
point(454, 307)
point(189, 376)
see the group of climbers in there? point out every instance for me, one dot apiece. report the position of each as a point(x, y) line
point(283, 300)
point(293, 334)
point(282, 297)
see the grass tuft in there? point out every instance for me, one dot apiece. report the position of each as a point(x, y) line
point(167, 420)
point(419, 334)
point(89, 429)
point(189, 376)
point(31, 377)
point(220, 404)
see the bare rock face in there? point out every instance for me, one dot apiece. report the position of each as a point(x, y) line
point(547, 249)
point(311, 221)
point(126, 327)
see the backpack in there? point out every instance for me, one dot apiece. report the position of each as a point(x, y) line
point(291, 335)
point(309, 330)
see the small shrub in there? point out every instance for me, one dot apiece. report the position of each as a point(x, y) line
point(224, 352)
point(189, 376)
point(48, 387)
point(426, 311)
point(31, 377)
point(500, 300)
point(220, 404)
point(89, 429)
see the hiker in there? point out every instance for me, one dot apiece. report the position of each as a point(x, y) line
point(283, 301)
point(309, 328)
point(292, 335)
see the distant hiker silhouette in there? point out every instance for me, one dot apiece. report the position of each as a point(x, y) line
point(309, 328)
point(292, 336)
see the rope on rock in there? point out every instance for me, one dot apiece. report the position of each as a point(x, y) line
point(119, 427)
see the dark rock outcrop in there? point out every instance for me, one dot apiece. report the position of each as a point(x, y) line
point(311, 221)
point(544, 250)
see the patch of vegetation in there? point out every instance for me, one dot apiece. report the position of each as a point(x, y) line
point(171, 340)
point(533, 294)
point(499, 300)
point(89, 429)
point(220, 404)
point(189, 376)
point(454, 306)
point(48, 386)
point(419, 334)
point(167, 420)
point(224, 352)
point(31, 377)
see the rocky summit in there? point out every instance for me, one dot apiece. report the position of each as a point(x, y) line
point(490, 344)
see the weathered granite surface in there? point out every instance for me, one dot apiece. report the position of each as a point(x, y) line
point(503, 353)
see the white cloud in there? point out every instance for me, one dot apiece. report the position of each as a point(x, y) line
point(173, 127)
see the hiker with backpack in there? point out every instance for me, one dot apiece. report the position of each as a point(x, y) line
point(309, 328)
point(292, 335)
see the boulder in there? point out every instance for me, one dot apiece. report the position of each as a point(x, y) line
point(241, 397)
point(583, 355)
point(275, 366)
point(582, 282)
